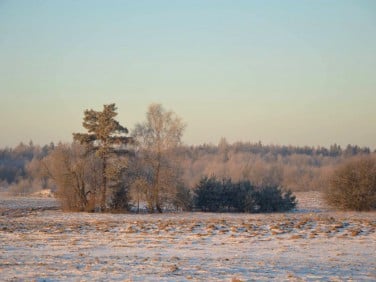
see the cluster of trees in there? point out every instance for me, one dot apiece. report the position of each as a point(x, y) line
point(104, 169)
point(214, 195)
point(20, 168)
point(258, 148)
point(299, 168)
point(13, 161)
point(334, 150)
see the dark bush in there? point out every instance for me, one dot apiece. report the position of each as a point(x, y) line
point(225, 196)
point(120, 199)
point(273, 199)
point(208, 194)
point(353, 185)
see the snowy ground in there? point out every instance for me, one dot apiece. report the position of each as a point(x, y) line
point(40, 243)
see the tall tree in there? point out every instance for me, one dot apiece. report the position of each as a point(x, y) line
point(157, 137)
point(106, 137)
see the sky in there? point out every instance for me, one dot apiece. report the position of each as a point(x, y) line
point(280, 72)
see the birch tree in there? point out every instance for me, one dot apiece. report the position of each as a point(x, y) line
point(157, 138)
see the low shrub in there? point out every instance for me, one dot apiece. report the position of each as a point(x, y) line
point(353, 185)
point(213, 195)
point(274, 199)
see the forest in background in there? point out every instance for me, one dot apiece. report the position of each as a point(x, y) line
point(293, 167)
point(109, 168)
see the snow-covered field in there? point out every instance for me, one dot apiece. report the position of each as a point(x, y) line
point(41, 243)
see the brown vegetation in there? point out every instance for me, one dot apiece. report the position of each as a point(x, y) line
point(295, 168)
point(353, 185)
point(157, 169)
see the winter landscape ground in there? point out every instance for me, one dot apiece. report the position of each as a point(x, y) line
point(41, 243)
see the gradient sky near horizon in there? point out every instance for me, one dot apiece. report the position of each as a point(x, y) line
point(280, 72)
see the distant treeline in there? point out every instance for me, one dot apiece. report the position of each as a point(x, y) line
point(260, 149)
point(14, 161)
point(294, 167)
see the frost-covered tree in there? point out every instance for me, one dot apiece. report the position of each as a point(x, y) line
point(105, 137)
point(157, 138)
point(352, 185)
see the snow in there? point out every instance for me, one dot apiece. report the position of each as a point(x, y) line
point(40, 243)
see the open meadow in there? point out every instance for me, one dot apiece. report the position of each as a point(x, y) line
point(41, 243)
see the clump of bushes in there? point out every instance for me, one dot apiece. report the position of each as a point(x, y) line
point(213, 195)
point(353, 185)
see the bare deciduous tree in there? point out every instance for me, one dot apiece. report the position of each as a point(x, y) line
point(75, 175)
point(158, 137)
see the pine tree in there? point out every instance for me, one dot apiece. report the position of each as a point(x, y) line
point(106, 138)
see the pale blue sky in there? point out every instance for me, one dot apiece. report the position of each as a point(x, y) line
point(282, 72)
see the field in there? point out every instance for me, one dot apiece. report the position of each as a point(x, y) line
point(41, 243)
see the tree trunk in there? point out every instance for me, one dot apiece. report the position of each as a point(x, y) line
point(156, 187)
point(104, 186)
